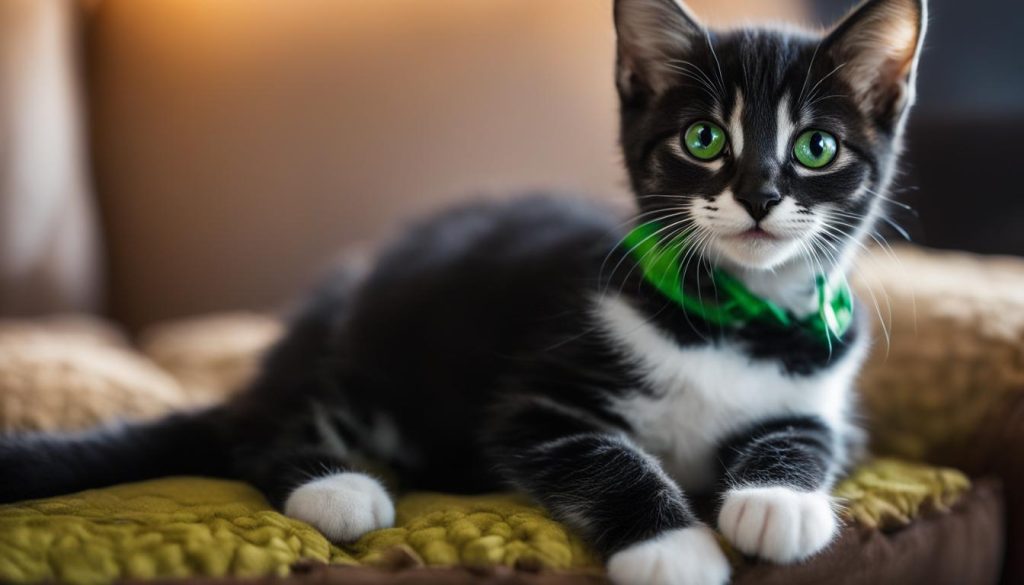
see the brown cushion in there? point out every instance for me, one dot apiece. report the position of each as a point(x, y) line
point(961, 546)
point(998, 449)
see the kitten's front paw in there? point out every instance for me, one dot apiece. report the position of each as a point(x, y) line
point(690, 556)
point(776, 523)
point(344, 506)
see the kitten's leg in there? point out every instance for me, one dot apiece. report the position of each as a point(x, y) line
point(592, 477)
point(776, 504)
point(282, 452)
point(321, 489)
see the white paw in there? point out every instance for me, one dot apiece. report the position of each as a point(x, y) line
point(778, 524)
point(344, 506)
point(690, 556)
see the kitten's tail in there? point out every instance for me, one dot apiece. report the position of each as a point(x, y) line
point(206, 442)
point(43, 465)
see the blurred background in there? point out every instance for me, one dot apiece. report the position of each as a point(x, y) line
point(161, 158)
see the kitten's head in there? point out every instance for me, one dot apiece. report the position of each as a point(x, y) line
point(768, 145)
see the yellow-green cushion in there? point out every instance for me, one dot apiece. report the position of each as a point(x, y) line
point(184, 526)
point(189, 526)
point(173, 527)
point(887, 493)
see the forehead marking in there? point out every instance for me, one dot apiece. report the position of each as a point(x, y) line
point(784, 129)
point(736, 125)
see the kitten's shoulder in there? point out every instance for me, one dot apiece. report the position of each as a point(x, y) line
point(544, 231)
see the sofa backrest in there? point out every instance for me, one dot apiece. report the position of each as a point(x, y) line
point(239, 144)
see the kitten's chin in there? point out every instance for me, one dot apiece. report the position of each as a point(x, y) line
point(757, 253)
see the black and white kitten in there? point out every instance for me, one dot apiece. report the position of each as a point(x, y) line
point(520, 343)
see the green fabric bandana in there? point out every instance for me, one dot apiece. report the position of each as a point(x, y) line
point(735, 305)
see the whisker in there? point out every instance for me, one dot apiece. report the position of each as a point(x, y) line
point(810, 260)
point(807, 76)
point(618, 244)
point(883, 322)
point(637, 263)
point(814, 89)
point(710, 89)
point(826, 97)
point(892, 201)
point(693, 66)
point(718, 64)
point(882, 243)
point(693, 251)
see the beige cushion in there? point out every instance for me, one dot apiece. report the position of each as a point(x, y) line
point(73, 373)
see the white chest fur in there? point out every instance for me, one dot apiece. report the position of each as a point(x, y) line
point(703, 394)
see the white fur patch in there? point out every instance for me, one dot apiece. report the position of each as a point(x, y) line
point(729, 220)
point(736, 126)
point(704, 393)
point(785, 127)
point(790, 285)
point(785, 220)
point(690, 556)
point(344, 506)
point(777, 523)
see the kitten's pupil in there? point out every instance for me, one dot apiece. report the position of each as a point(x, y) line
point(817, 145)
point(706, 136)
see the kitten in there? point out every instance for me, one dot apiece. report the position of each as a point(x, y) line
point(611, 374)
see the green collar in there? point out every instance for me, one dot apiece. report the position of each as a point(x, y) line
point(659, 261)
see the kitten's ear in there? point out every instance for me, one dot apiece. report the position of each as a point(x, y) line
point(876, 49)
point(652, 33)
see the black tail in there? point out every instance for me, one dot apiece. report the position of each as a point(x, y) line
point(242, 439)
point(42, 465)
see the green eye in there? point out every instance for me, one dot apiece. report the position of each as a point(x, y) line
point(704, 140)
point(815, 148)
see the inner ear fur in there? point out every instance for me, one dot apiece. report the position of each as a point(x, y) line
point(652, 36)
point(876, 49)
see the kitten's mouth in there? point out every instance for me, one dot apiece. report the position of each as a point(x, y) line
point(758, 248)
point(756, 234)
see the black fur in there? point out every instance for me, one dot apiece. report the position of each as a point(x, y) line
point(475, 336)
point(36, 466)
point(797, 451)
point(566, 457)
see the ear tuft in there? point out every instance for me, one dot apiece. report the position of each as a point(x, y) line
point(651, 34)
point(877, 48)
